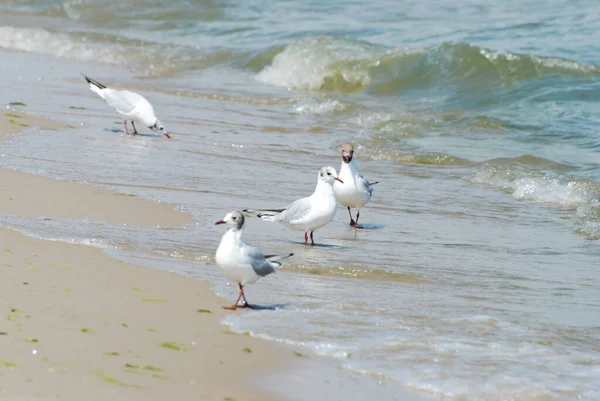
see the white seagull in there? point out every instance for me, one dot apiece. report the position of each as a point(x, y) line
point(354, 190)
point(307, 214)
point(130, 105)
point(240, 261)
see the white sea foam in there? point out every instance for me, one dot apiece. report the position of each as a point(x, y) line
point(317, 107)
point(550, 190)
point(307, 63)
point(146, 58)
point(582, 196)
point(547, 62)
point(40, 41)
point(539, 189)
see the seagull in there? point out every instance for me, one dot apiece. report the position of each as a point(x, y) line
point(130, 105)
point(240, 261)
point(354, 191)
point(307, 214)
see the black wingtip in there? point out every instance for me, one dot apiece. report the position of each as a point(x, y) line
point(278, 256)
point(93, 82)
point(373, 183)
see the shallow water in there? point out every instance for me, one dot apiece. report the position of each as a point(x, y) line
point(476, 277)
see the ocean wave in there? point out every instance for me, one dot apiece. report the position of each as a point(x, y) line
point(524, 180)
point(339, 65)
point(145, 58)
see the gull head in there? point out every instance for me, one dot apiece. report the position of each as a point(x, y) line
point(347, 152)
point(328, 175)
point(159, 127)
point(233, 219)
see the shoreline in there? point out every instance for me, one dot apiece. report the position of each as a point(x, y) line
point(282, 371)
point(78, 324)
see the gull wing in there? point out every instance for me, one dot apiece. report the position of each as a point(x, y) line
point(125, 102)
point(259, 263)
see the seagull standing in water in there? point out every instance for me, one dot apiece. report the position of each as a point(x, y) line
point(307, 214)
point(130, 105)
point(354, 190)
point(240, 261)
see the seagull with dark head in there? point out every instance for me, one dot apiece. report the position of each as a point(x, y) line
point(240, 261)
point(354, 190)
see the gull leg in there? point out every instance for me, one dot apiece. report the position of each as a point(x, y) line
point(134, 130)
point(312, 241)
point(357, 216)
point(305, 238)
point(352, 222)
point(234, 306)
point(245, 304)
point(125, 124)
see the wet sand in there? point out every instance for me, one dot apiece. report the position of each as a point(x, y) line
point(77, 324)
point(28, 195)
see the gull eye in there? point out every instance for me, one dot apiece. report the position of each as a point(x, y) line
point(234, 217)
point(328, 173)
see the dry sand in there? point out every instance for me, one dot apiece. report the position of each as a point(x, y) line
point(76, 324)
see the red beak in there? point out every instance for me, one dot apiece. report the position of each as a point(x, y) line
point(167, 135)
point(219, 222)
point(337, 179)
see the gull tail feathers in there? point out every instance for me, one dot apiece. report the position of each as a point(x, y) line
point(277, 258)
point(95, 86)
point(260, 213)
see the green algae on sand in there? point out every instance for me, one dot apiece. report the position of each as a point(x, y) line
point(171, 345)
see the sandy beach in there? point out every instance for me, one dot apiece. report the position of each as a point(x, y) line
point(76, 324)
point(473, 274)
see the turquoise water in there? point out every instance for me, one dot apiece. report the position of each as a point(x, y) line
point(478, 278)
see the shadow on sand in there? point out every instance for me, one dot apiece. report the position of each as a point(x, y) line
point(264, 307)
point(317, 245)
point(121, 131)
point(369, 227)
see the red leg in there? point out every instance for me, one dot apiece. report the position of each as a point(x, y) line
point(305, 238)
point(352, 222)
point(133, 125)
point(125, 124)
point(311, 238)
point(246, 304)
point(234, 306)
point(357, 216)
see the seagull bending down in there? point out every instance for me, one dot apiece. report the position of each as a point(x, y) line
point(354, 191)
point(130, 105)
point(308, 214)
point(240, 261)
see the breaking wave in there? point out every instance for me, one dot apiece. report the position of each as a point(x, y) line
point(339, 65)
point(146, 58)
point(522, 178)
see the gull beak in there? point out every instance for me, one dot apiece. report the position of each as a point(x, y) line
point(338, 179)
point(219, 222)
point(346, 158)
point(167, 135)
